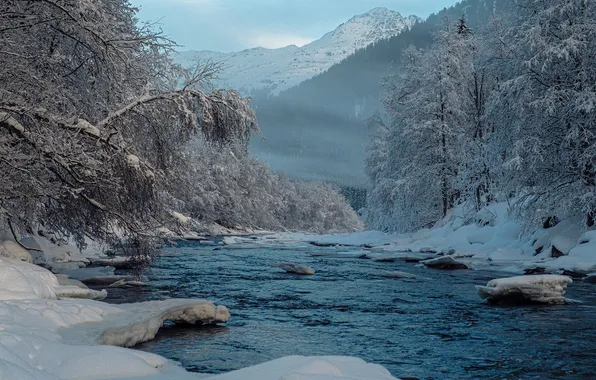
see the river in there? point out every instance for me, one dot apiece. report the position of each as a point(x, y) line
point(434, 326)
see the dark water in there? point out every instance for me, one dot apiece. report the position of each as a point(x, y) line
point(434, 326)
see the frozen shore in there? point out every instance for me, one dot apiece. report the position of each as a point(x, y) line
point(488, 239)
point(46, 335)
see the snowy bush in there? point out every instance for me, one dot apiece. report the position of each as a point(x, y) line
point(233, 189)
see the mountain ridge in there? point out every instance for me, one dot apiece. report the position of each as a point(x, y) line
point(274, 70)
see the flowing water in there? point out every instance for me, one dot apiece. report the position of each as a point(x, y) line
point(434, 326)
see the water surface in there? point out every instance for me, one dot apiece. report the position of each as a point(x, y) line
point(434, 326)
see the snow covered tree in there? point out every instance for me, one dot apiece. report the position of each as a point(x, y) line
point(546, 107)
point(426, 102)
point(90, 119)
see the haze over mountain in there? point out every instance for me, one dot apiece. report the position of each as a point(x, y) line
point(275, 70)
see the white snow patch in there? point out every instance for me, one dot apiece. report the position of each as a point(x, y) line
point(548, 289)
point(12, 250)
point(310, 368)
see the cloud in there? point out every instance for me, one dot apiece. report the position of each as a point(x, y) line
point(272, 40)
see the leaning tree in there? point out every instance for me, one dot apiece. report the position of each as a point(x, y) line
point(92, 116)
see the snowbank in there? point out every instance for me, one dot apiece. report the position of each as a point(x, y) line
point(310, 368)
point(45, 338)
point(140, 322)
point(549, 289)
point(32, 319)
point(20, 280)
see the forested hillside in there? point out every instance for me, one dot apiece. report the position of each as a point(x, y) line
point(499, 112)
point(318, 129)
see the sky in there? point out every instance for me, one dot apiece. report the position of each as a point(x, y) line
point(234, 25)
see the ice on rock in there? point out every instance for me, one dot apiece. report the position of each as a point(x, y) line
point(295, 268)
point(549, 289)
point(444, 262)
point(74, 291)
point(127, 284)
point(310, 368)
point(139, 322)
point(12, 250)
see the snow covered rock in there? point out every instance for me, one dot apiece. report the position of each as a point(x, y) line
point(397, 274)
point(296, 268)
point(77, 292)
point(118, 262)
point(141, 321)
point(127, 284)
point(444, 262)
point(14, 251)
point(310, 368)
point(66, 281)
point(549, 289)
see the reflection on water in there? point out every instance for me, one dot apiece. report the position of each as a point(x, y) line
point(434, 326)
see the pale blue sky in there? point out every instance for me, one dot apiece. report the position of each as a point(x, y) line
point(232, 25)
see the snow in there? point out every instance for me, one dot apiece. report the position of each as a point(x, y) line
point(44, 338)
point(139, 322)
point(22, 280)
point(32, 320)
point(549, 289)
point(280, 69)
point(12, 250)
point(482, 236)
point(310, 368)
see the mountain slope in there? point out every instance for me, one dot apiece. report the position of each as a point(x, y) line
point(317, 129)
point(275, 70)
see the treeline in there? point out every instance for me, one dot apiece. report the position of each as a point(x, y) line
point(102, 136)
point(499, 112)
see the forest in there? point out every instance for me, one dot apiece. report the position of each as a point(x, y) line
point(103, 137)
point(502, 112)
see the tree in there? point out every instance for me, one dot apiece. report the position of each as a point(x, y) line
point(426, 102)
point(546, 107)
point(91, 119)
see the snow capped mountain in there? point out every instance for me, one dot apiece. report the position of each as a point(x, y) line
point(276, 70)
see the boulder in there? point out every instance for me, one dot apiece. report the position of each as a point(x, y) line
point(12, 250)
point(444, 262)
point(546, 288)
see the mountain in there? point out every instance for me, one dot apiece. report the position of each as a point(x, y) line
point(317, 129)
point(271, 71)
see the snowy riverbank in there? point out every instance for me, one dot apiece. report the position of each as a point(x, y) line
point(46, 335)
point(489, 239)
